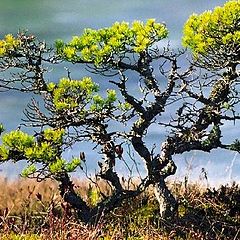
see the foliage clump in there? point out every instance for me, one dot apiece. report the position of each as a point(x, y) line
point(109, 44)
point(72, 94)
point(45, 149)
point(215, 33)
point(200, 30)
point(8, 44)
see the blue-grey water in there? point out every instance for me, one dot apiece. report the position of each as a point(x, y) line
point(53, 19)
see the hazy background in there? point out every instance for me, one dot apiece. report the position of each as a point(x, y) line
point(53, 19)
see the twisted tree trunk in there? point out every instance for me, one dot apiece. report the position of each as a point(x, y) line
point(167, 202)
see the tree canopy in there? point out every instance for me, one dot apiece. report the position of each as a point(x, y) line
point(214, 36)
point(109, 45)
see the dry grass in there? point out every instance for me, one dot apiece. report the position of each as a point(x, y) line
point(32, 211)
point(16, 194)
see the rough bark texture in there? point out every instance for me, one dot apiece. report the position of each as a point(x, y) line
point(167, 202)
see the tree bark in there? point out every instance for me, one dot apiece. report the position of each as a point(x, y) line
point(164, 167)
point(167, 202)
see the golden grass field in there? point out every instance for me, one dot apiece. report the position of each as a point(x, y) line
point(31, 210)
